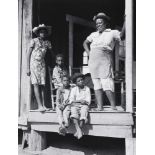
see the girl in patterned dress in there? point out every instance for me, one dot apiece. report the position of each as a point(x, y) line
point(36, 67)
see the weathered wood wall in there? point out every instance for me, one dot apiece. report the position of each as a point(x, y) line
point(25, 35)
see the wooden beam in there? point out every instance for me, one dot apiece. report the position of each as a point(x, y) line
point(80, 21)
point(37, 141)
point(20, 24)
point(130, 146)
point(129, 55)
point(26, 37)
point(94, 130)
point(71, 29)
point(94, 118)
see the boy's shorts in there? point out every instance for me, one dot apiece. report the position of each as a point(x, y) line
point(79, 112)
point(105, 84)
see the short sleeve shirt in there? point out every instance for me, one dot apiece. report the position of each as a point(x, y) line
point(80, 94)
point(105, 40)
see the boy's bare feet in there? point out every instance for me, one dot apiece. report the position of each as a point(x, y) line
point(62, 131)
point(79, 134)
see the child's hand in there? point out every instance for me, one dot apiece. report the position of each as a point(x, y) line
point(83, 102)
point(61, 106)
point(28, 72)
point(67, 102)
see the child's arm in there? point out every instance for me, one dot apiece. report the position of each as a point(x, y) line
point(28, 60)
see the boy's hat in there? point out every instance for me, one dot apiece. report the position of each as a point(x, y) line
point(77, 75)
point(101, 15)
point(40, 27)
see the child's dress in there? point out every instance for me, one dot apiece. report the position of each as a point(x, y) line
point(57, 76)
point(37, 62)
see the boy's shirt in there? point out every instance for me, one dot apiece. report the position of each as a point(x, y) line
point(80, 94)
point(58, 72)
point(63, 95)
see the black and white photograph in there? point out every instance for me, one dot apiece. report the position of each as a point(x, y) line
point(76, 77)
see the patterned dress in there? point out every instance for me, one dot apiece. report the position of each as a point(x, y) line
point(37, 62)
point(58, 72)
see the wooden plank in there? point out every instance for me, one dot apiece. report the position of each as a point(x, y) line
point(129, 57)
point(80, 21)
point(71, 29)
point(94, 118)
point(94, 130)
point(130, 146)
point(20, 24)
point(37, 141)
point(26, 37)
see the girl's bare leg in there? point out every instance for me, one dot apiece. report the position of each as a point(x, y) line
point(38, 96)
point(43, 95)
point(111, 98)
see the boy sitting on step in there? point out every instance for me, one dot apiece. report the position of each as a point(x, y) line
point(80, 99)
point(62, 104)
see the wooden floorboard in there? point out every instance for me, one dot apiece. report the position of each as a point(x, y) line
point(101, 118)
point(94, 130)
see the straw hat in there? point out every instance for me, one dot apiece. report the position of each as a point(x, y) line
point(101, 15)
point(40, 27)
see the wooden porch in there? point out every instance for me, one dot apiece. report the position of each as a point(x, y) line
point(104, 124)
point(107, 124)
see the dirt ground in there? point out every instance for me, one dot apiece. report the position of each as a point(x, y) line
point(88, 145)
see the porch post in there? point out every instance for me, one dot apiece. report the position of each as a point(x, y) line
point(25, 97)
point(129, 59)
point(71, 28)
point(20, 21)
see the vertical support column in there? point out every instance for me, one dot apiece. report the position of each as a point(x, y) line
point(37, 140)
point(71, 29)
point(20, 24)
point(129, 54)
point(130, 146)
point(117, 57)
point(26, 37)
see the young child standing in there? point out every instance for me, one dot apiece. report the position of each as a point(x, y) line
point(62, 104)
point(58, 71)
point(80, 99)
point(36, 63)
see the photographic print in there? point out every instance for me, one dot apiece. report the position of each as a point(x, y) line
point(77, 77)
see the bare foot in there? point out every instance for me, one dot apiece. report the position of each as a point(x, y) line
point(46, 109)
point(75, 134)
point(41, 109)
point(62, 131)
point(113, 108)
point(80, 134)
point(98, 109)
